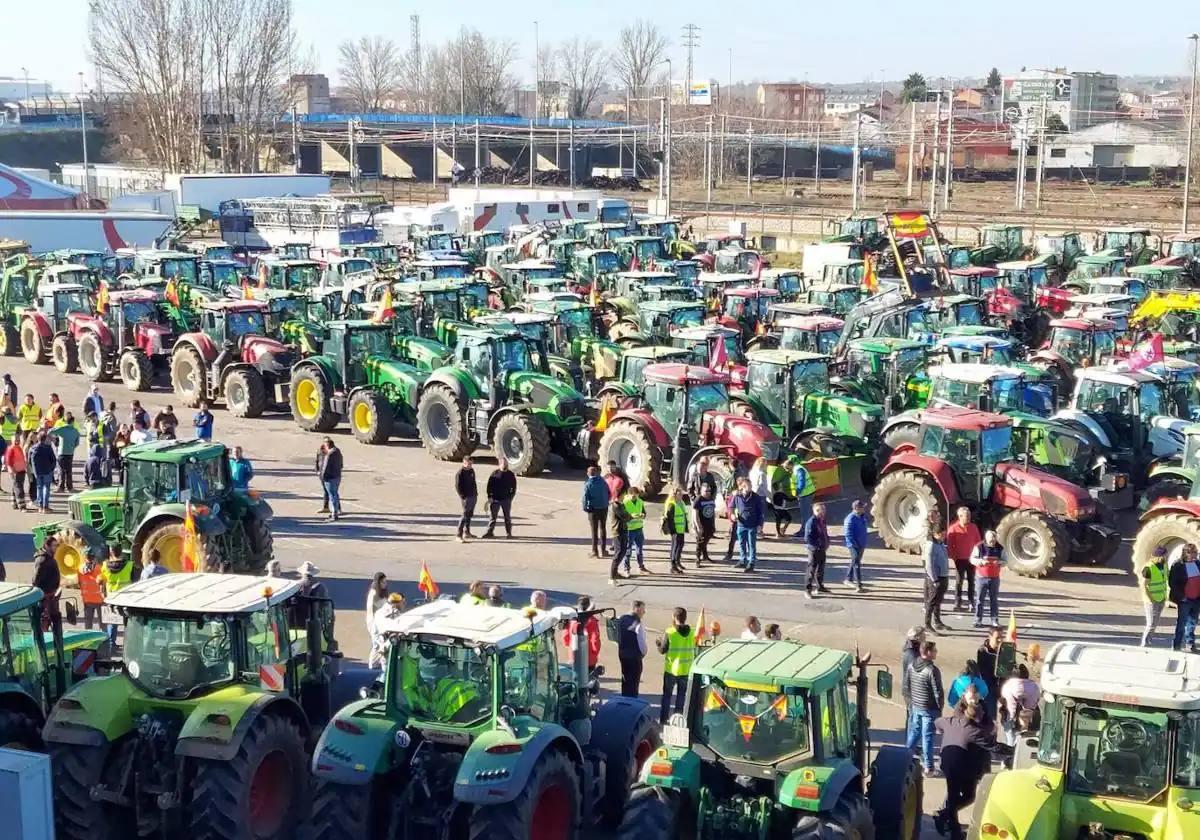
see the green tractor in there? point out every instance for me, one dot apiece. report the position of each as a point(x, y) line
point(655, 321)
point(771, 747)
point(885, 371)
point(148, 512)
point(1136, 244)
point(479, 731)
point(16, 296)
point(34, 666)
point(630, 378)
point(356, 376)
point(204, 729)
point(1090, 266)
point(594, 267)
point(999, 243)
point(579, 327)
point(493, 395)
point(294, 319)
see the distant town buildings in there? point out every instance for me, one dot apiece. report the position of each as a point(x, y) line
point(310, 93)
point(791, 101)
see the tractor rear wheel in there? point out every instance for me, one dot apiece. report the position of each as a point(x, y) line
point(623, 762)
point(260, 793)
point(76, 770)
point(90, 354)
point(136, 370)
point(652, 813)
point(189, 375)
point(19, 731)
point(523, 440)
point(167, 539)
point(64, 354)
point(896, 793)
point(1170, 532)
point(850, 818)
point(1035, 544)
point(309, 393)
point(10, 342)
point(905, 436)
point(77, 543)
point(630, 446)
point(442, 424)
point(348, 812)
point(548, 807)
point(245, 393)
point(905, 501)
point(33, 344)
point(261, 541)
point(371, 417)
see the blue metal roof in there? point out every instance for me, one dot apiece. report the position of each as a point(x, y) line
point(447, 120)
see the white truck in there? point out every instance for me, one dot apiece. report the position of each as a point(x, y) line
point(499, 208)
point(208, 191)
point(817, 254)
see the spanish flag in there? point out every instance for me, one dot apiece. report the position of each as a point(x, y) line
point(701, 629)
point(189, 550)
point(262, 276)
point(246, 293)
point(426, 583)
point(607, 410)
point(171, 293)
point(1012, 626)
point(870, 278)
point(102, 298)
point(385, 311)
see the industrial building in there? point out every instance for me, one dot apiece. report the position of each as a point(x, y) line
point(1131, 146)
point(1079, 99)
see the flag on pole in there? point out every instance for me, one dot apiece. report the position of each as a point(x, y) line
point(607, 410)
point(171, 293)
point(262, 276)
point(102, 298)
point(189, 549)
point(870, 277)
point(1012, 626)
point(758, 269)
point(1147, 353)
point(246, 293)
point(701, 629)
point(385, 312)
point(634, 265)
point(426, 583)
point(718, 359)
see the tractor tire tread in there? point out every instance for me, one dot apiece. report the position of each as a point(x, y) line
point(513, 820)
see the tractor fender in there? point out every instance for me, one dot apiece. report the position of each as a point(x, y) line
point(100, 712)
point(324, 365)
point(458, 381)
point(41, 322)
point(358, 744)
point(83, 324)
point(907, 418)
point(935, 468)
point(1187, 507)
point(519, 764)
point(1166, 469)
point(242, 704)
point(1015, 805)
point(15, 699)
point(200, 342)
point(1084, 419)
point(644, 418)
point(831, 781)
point(504, 411)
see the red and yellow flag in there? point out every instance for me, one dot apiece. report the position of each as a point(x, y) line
point(607, 410)
point(870, 276)
point(426, 583)
point(246, 293)
point(189, 551)
point(701, 627)
point(385, 312)
point(171, 293)
point(102, 298)
point(262, 276)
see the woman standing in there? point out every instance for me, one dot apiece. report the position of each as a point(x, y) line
point(760, 483)
point(376, 597)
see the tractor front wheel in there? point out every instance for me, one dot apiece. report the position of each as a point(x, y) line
point(33, 345)
point(189, 375)
point(850, 817)
point(1170, 532)
point(91, 358)
point(309, 393)
point(19, 731)
point(167, 539)
point(523, 440)
point(64, 354)
point(136, 370)
point(76, 770)
point(896, 792)
point(371, 417)
point(1035, 544)
point(245, 393)
point(905, 502)
point(261, 543)
point(547, 808)
point(442, 424)
point(651, 813)
point(77, 543)
point(10, 342)
point(260, 793)
point(636, 454)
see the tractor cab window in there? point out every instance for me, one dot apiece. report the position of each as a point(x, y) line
point(909, 363)
point(810, 377)
point(1117, 751)
point(755, 726)
point(21, 659)
point(475, 294)
point(512, 354)
point(689, 317)
point(443, 683)
point(968, 314)
point(369, 343)
point(76, 300)
point(605, 262)
point(223, 275)
point(404, 321)
point(530, 672)
point(449, 272)
point(139, 312)
point(18, 289)
point(1008, 395)
point(577, 322)
point(1187, 752)
point(245, 322)
point(204, 479)
point(707, 397)
point(1073, 345)
point(219, 252)
point(1151, 402)
point(443, 304)
point(178, 269)
point(948, 391)
point(288, 309)
point(171, 657)
point(148, 483)
point(995, 445)
point(302, 277)
point(1184, 249)
point(767, 382)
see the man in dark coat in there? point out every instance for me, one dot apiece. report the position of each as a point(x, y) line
point(501, 488)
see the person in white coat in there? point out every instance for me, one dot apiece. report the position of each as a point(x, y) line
point(377, 595)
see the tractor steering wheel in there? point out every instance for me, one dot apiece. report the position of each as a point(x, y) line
point(1125, 734)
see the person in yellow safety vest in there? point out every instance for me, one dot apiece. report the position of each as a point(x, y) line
point(116, 575)
point(29, 415)
point(674, 524)
point(1153, 585)
point(636, 509)
point(448, 696)
point(802, 489)
point(779, 494)
point(475, 594)
point(678, 647)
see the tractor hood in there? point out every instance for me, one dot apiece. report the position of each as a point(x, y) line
point(545, 391)
point(1023, 487)
point(152, 339)
point(266, 353)
point(425, 353)
point(845, 415)
point(387, 370)
point(749, 439)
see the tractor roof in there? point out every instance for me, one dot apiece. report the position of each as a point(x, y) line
point(753, 292)
point(173, 451)
point(658, 351)
point(885, 344)
point(834, 286)
point(683, 374)
point(813, 322)
point(1097, 259)
point(963, 419)
point(156, 254)
point(799, 308)
point(975, 271)
point(844, 262)
point(704, 331)
point(235, 305)
point(205, 593)
point(17, 596)
point(648, 275)
point(503, 319)
point(1115, 377)
point(1136, 676)
point(761, 665)
point(1127, 229)
point(783, 272)
point(1016, 265)
point(974, 374)
point(447, 619)
point(974, 342)
point(1173, 365)
point(66, 268)
point(1184, 237)
point(1154, 269)
point(416, 287)
point(1083, 324)
point(1111, 282)
point(785, 358)
point(287, 262)
point(134, 296)
point(669, 305)
point(725, 279)
point(443, 262)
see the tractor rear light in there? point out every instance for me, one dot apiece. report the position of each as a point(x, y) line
point(661, 768)
point(504, 749)
point(991, 830)
point(219, 720)
point(807, 792)
point(348, 727)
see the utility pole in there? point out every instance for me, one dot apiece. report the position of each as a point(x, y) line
point(912, 145)
point(670, 96)
point(414, 37)
point(435, 153)
point(1021, 153)
point(1041, 159)
point(532, 154)
point(749, 160)
point(571, 150)
point(87, 172)
point(477, 153)
point(662, 150)
point(937, 136)
point(949, 152)
point(708, 162)
point(855, 162)
point(1187, 167)
point(537, 68)
point(817, 162)
point(350, 126)
point(784, 167)
point(691, 40)
point(462, 79)
point(295, 141)
point(721, 153)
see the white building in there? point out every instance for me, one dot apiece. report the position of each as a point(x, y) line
point(13, 89)
point(1079, 99)
point(1134, 144)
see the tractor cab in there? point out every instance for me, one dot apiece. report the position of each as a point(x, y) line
point(842, 273)
point(635, 360)
point(1082, 342)
point(1023, 278)
point(545, 286)
point(379, 253)
point(746, 308)
point(294, 251)
point(604, 234)
point(712, 244)
point(635, 285)
point(346, 271)
point(975, 349)
point(216, 275)
point(975, 281)
point(838, 298)
point(702, 341)
point(1130, 410)
point(679, 395)
point(66, 274)
point(795, 309)
point(595, 267)
point(433, 302)
point(130, 309)
point(687, 271)
point(1183, 250)
point(734, 261)
point(93, 261)
point(657, 320)
point(988, 387)
point(230, 321)
point(640, 251)
point(972, 443)
point(1132, 243)
point(434, 240)
point(999, 243)
point(56, 303)
point(715, 286)
point(930, 320)
point(440, 270)
point(789, 282)
point(812, 333)
point(862, 230)
point(665, 229)
point(157, 267)
point(1130, 287)
point(952, 256)
point(1181, 383)
point(289, 275)
point(1091, 266)
point(1061, 250)
point(1160, 277)
point(479, 242)
point(886, 371)
point(349, 344)
point(289, 316)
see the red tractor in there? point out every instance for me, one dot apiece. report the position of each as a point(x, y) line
point(1074, 343)
point(965, 457)
point(129, 339)
point(45, 327)
point(681, 416)
point(232, 358)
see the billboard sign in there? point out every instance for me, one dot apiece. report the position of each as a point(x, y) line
point(1054, 89)
point(700, 93)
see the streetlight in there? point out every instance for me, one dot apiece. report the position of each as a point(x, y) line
point(667, 140)
point(1187, 164)
point(537, 68)
point(26, 72)
point(87, 180)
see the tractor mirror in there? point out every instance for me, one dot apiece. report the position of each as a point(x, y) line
point(883, 684)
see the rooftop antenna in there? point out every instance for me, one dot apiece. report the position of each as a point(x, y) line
point(414, 28)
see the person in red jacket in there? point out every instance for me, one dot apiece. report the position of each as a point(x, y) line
point(591, 632)
point(961, 538)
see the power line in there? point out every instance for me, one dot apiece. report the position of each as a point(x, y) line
point(691, 40)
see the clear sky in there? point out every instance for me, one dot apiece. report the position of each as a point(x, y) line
point(774, 40)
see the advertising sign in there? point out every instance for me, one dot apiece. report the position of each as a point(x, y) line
point(700, 93)
point(1053, 89)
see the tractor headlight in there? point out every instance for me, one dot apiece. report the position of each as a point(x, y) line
point(1053, 504)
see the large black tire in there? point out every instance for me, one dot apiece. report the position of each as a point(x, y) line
point(91, 356)
point(1035, 544)
point(10, 342)
point(167, 539)
point(136, 370)
point(371, 417)
point(75, 771)
point(262, 545)
point(245, 393)
point(524, 440)
point(442, 424)
point(896, 792)
point(652, 813)
point(348, 812)
point(34, 347)
point(903, 502)
point(551, 797)
point(309, 395)
point(77, 542)
point(64, 354)
point(895, 437)
point(189, 375)
point(1166, 488)
point(1169, 531)
point(850, 819)
point(19, 731)
point(630, 446)
point(623, 763)
point(260, 794)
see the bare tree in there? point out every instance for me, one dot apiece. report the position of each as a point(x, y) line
point(472, 73)
point(584, 69)
point(641, 46)
point(371, 70)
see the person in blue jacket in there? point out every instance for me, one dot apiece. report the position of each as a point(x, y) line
point(854, 529)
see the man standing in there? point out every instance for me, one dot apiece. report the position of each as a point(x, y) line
point(1153, 585)
point(854, 529)
point(1183, 583)
point(468, 495)
point(16, 465)
point(91, 592)
point(704, 521)
point(678, 647)
point(617, 485)
point(675, 519)
point(631, 648)
point(748, 514)
point(937, 578)
point(66, 441)
point(618, 524)
point(986, 658)
point(753, 629)
point(816, 540)
point(700, 479)
point(595, 505)
point(10, 391)
point(240, 469)
point(29, 415)
point(93, 403)
point(501, 488)
point(137, 413)
point(636, 527)
point(538, 600)
point(165, 423)
point(961, 538)
point(803, 489)
point(319, 468)
point(47, 578)
point(924, 683)
point(42, 462)
point(202, 422)
point(987, 558)
point(153, 566)
point(331, 478)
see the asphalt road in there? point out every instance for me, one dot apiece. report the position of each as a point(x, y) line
point(401, 509)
